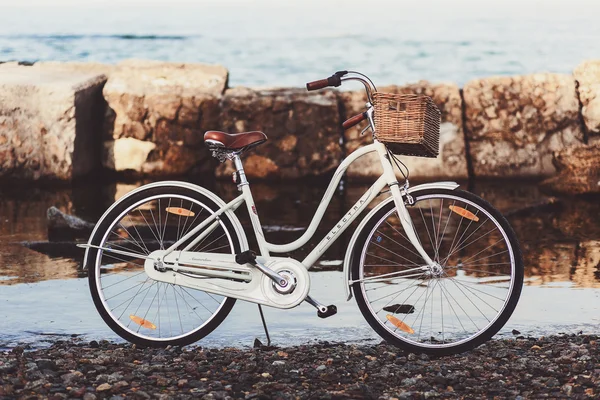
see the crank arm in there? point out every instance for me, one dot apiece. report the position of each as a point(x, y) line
point(249, 257)
point(316, 304)
point(275, 277)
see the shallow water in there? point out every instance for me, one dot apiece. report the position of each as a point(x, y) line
point(273, 43)
point(46, 296)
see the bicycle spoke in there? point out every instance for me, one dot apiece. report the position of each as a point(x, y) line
point(177, 306)
point(469, 286)
point(469, 298)
point(158, 239)
point(144, 248)
point(396, 254)
point(404, 247)
point(460, 242)
point(130, 300)
point(426, 228)
point(394, 298)
point(211, 242)
point(117, 283)
point(148, 225)
point(444, 233)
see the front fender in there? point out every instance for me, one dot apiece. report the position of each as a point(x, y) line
point(230, 214)
point(352, 243)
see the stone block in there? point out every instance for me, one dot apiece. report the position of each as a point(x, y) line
point(168, 104)
point(303, 131)
point(50, 122)
point(587, 75)
point(514, 124)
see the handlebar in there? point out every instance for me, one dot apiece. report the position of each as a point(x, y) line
point(336, 80)
point(350, 122)
point(316, 85)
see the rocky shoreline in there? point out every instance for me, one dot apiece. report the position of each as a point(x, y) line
point(546, 367)
point(143, 118)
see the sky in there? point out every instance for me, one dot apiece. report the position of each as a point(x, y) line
point(440, 9)
point(516, 6)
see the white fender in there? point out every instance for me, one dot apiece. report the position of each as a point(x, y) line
point(237, 226)
point(352, 243)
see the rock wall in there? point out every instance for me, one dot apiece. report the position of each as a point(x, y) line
point(150, 118)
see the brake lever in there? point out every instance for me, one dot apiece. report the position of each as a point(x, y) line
point(364, 130)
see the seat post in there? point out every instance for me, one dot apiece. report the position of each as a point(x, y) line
point(239, 168)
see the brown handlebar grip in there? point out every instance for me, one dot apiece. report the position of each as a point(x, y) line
point(316, 85)
point(350, 122)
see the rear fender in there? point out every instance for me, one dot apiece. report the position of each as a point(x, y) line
point(237, 226)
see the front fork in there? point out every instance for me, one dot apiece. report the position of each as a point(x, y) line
point(403, 215)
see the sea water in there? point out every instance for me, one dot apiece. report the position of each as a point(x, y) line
point(287, 43)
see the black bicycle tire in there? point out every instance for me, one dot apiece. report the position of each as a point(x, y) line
point(91, 268)
point(482, 337)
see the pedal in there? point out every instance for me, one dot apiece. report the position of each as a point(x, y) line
point(331, 310)
point(322, 310)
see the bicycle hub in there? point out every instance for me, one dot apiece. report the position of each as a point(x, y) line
point(288, 285)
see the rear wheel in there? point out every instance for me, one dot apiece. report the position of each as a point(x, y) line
point(136, 307)
point(459, 304)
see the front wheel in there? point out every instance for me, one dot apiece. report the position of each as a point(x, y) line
point(463, 300)
point(141, 310)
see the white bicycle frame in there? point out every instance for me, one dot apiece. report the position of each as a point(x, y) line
point(225, 267)
point(388, 178)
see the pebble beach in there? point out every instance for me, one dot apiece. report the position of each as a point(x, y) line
point(562, 366)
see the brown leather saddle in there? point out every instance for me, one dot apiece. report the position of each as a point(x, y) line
point(234, 141)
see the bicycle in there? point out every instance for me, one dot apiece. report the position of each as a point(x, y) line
point(434, 269)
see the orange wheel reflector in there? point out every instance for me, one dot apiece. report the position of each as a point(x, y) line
point(143, 322)
point(180, 211)
point(123, 233)
point(399, 324)
point(464, 213)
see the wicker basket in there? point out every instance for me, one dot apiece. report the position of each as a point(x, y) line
point(408, 124)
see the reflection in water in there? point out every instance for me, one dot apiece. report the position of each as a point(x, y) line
point(559, 237)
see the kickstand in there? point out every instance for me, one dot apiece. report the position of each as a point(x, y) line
point(262, 317)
